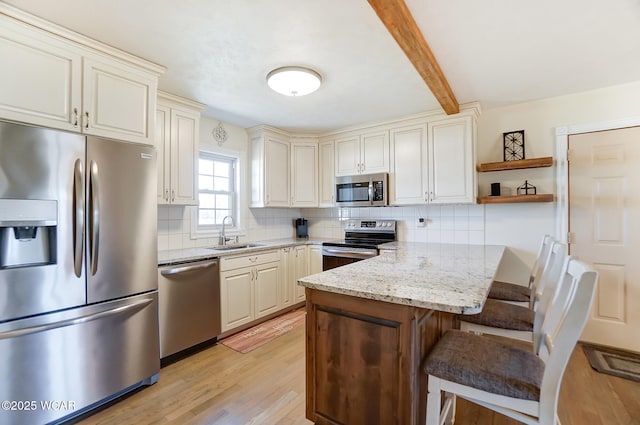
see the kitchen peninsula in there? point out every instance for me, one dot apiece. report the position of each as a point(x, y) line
point(370, 323)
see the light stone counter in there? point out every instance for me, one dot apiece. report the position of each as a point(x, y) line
point(193, 254)
point(447, 277)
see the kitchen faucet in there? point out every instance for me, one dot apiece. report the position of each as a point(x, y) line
point(223, 238)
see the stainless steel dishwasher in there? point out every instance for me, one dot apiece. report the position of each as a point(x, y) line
point(189, 298)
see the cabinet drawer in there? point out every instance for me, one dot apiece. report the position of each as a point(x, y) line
point(248, 260)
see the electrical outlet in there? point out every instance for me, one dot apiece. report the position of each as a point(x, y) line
point(421, 222)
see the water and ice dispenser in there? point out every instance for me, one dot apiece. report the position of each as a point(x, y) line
point(28, 231)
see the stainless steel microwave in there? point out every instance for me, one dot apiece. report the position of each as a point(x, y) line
point(364, 190)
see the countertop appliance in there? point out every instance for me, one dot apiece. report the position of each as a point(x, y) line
point(363, 190)
point(361, 241)
point(78, 271)
point(302, 228)
point(189, 305)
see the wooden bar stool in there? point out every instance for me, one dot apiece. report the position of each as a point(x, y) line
point(521, 384)
point(521, 294)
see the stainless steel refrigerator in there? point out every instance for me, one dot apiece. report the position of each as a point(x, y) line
point(78, 272)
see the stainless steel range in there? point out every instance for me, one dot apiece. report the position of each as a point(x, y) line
point(361, 241)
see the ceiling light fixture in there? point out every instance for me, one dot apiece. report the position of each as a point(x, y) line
point(294, 80)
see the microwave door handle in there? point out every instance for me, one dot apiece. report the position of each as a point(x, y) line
point(370, 191)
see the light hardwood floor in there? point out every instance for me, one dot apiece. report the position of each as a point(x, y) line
point(266, 386)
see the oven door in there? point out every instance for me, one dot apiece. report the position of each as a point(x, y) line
point(334, 256)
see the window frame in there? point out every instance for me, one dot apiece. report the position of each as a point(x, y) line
point(208, 230)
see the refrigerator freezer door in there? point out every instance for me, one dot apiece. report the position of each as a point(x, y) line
point(38, 170)
point(76, 358)
point(121, 239)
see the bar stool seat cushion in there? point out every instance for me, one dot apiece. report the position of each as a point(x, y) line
point(486, 364)
point(497, 314)
point(509, 292)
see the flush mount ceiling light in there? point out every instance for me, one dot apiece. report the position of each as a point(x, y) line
point(294, 80)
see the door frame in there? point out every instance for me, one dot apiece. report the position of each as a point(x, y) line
point(562, 165)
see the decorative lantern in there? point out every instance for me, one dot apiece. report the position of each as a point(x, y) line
point(526, 189)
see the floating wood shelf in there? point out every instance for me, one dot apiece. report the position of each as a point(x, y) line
point(516, 165)
point(545, 197)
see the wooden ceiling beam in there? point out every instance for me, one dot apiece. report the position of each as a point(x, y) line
point(395, 15)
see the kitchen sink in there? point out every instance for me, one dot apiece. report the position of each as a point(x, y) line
point(236, 246)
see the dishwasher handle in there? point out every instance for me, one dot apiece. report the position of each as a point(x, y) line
point(188, 268)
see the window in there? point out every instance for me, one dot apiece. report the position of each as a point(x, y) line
point(216, 190)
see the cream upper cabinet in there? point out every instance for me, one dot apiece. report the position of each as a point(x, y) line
point(270, 168)
point(118, 101)
point(63, 80)
point(409, 179)
point(304, 174)
point(35, 63)
point(452, 174)
point(176, 140)
point(433, 162)
point(362, 154)
point(326, 184)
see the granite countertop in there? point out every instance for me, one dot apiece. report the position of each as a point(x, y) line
point(447, 277)
point(193, 254)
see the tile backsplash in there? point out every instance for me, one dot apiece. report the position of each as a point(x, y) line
point(443, 223)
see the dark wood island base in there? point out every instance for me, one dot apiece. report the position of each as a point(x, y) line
point(363, 359)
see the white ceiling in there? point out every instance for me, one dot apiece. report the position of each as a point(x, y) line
point(498, 52)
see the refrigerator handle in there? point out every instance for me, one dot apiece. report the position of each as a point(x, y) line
point(94, 217)
point(78, 216)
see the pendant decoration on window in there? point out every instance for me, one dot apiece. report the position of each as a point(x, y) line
point(219, 134)
point(526, 189)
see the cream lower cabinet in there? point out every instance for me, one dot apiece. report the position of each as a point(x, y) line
point(300, 269)
point(63, 80)
point(295, 266)
point(249, 288)
point(433, 162)
point(315, 259)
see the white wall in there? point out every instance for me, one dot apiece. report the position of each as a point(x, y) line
point(521, 226)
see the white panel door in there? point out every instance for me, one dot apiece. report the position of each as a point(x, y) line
point(267, 281)
point(301, 269)
point(40, 78)
point(374, 153)
point(184, 149)
point(117, 102)
point(162, 138)
point(451, 162)
point(604, 205)
point(347, 156)
point(304, 175)
point(408, 178)
point(315, 259)
point(277, 173)
point(236, 297)
point(326, 175)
